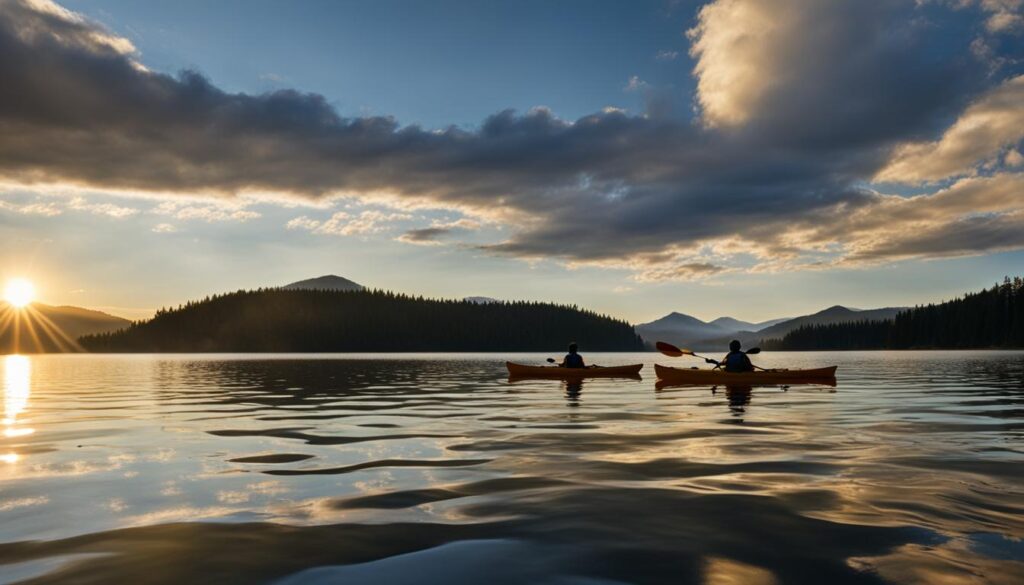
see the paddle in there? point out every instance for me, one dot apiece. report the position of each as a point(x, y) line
point(673, 351)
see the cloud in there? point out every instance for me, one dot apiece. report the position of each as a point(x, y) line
point(800, 104)
point(1007, 16)
point(812, 71)
point(687, 271)
point(1002, 16)
point(108, 209)
point(982, 132)
point(636, 84)
point(965, 236)
point(972, 216)
point(53, 208)
point(1013, 159)
point(164, 228)
point(302, 223)
point(46, 209)
point(666, 55)
point(424, 236)
point(431, 236)
point(345, 224)
point(208, 213)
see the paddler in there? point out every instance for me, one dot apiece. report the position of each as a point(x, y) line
point(736, 360)
point(573, 359)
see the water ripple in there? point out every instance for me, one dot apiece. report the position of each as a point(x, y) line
point(435, 468)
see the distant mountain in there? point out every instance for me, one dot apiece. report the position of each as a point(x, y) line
point(833, 314)
point(730, 324)
point(48, 328)
point(328, 282)
point(766, 324)
point(276, 320)
point(481, 300)
point(991, 318)
point(682, 329)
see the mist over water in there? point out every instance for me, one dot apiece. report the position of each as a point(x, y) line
point(393, 469)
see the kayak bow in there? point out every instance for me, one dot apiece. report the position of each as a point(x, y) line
point(721, 377)
point(521, 371)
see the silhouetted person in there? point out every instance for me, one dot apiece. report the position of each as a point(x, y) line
point(573, 359)
point(736, 360)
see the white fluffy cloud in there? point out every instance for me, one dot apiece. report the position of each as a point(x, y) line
point(107, 209)
point(343, 223)
point(46, 209)
point(209, 212)
point(739, 48)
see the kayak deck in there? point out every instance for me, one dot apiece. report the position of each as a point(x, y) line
point(721, 377)
point(519, 370)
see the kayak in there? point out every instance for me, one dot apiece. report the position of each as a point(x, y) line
point(721, 377)
point(521, 371)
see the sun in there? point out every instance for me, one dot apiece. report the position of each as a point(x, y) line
point(19, 292)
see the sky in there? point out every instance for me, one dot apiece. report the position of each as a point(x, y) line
point(750, 158)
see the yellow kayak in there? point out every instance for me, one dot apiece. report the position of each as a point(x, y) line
point(721, 377)
point(521, 371)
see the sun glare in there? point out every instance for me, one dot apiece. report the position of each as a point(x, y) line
point(19, 292)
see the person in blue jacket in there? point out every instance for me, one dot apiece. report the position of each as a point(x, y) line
point(736, 360)
point(573, 359)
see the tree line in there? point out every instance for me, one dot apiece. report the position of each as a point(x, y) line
point(991, 318)
point(277, 320)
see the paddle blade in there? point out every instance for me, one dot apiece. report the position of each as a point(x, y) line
point(753, 351)
point(669, 349)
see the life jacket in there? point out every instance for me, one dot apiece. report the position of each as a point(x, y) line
point(737, 361)
point(573, 360)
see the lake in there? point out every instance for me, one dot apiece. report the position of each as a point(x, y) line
point(388, 469)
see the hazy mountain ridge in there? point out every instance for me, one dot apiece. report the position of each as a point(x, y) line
point(833, 314)
point(682, 329)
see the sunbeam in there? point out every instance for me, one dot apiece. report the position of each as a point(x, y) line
point(27, 330)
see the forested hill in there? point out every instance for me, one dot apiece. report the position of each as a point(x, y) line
point(992, 318)
point(277, 320)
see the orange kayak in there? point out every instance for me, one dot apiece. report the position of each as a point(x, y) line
point(721, 377)
point(521, 371)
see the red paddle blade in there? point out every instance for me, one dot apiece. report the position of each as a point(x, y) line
point(669, 349)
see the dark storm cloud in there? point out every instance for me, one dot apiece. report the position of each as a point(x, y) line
point(787, 143)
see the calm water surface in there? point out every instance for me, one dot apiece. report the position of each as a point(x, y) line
point(436, 468)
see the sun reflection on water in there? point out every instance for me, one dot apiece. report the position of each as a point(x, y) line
point(17, 387)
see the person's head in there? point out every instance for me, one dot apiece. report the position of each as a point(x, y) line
point(573, 348)
point(734, 345)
